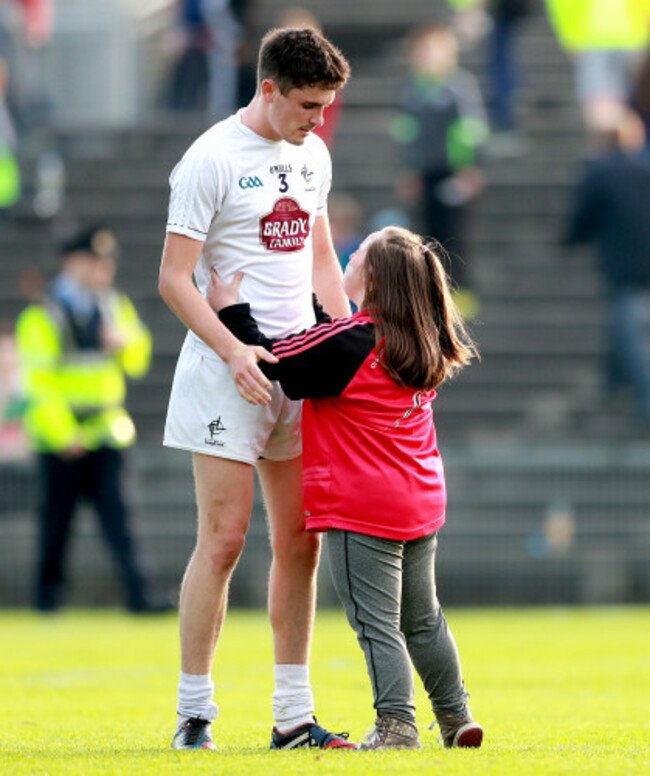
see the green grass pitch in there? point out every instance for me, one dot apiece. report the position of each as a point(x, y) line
point(558, 691)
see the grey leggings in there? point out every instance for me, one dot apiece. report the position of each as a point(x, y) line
point(388, 590)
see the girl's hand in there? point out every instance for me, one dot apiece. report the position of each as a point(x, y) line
point(220, 294)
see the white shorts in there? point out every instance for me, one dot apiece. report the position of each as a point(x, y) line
point(206, 413)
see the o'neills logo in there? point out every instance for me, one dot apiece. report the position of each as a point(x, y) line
point(286, 228)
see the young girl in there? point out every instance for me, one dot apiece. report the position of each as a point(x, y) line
point(373, 476)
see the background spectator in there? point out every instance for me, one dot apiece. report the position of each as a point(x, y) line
point(205, 73)
point(186, 88)
point(504, 70)
point(611, 212)
point(223, 19)
point(10, 179)
point(442, 127)
point(641, 94)
point(75, 349)
point(497, 22)
point(25, 29)
point(606, 39)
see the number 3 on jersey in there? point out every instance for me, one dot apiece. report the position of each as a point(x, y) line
point(284, 186)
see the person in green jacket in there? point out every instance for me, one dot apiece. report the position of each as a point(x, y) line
point(606, 39)
point(442, 127)
point(76, 347)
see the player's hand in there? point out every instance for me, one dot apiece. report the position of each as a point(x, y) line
point(222, 294)
point(249, 379)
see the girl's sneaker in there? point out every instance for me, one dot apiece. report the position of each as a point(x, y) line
point(459, 731)
point(391, 733)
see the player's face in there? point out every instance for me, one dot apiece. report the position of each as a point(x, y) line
point(294, 115)
point(354, 278)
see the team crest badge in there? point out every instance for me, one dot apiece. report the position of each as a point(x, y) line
point(286, 227)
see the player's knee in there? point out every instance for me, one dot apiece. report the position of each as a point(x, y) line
point(224, 553)
point(301, 550)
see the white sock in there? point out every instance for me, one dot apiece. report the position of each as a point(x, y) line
point(293, 701)
point(195, 693)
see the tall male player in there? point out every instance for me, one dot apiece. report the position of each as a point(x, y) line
point(250, 196)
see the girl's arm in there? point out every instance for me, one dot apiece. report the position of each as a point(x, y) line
point(313, 364)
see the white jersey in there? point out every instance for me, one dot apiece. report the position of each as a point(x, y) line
point(253, 202)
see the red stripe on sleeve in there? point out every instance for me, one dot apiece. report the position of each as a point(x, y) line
point(317, 334)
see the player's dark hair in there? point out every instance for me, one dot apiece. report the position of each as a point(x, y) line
point(295, 59)
point(407, 294)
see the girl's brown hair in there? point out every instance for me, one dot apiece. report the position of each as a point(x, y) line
point(408, 296)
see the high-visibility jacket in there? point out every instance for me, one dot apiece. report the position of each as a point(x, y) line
point(74, 395)
point(600, 24)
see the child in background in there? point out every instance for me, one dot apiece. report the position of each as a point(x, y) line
point(441, 128)
point(373, 476)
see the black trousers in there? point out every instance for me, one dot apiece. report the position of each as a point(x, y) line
point(64, 482)
point(448, 224)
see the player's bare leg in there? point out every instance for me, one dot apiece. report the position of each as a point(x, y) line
point(224, 496)
point(292, 603)
point(292, 583)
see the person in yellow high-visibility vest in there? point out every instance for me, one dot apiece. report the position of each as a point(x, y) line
point(76, 348)
point(606, 39)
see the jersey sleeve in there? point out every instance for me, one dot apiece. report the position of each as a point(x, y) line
point(198, 186)
point(313, 364)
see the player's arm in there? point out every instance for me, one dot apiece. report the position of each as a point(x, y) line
point(327, 271)
point(176, 286)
